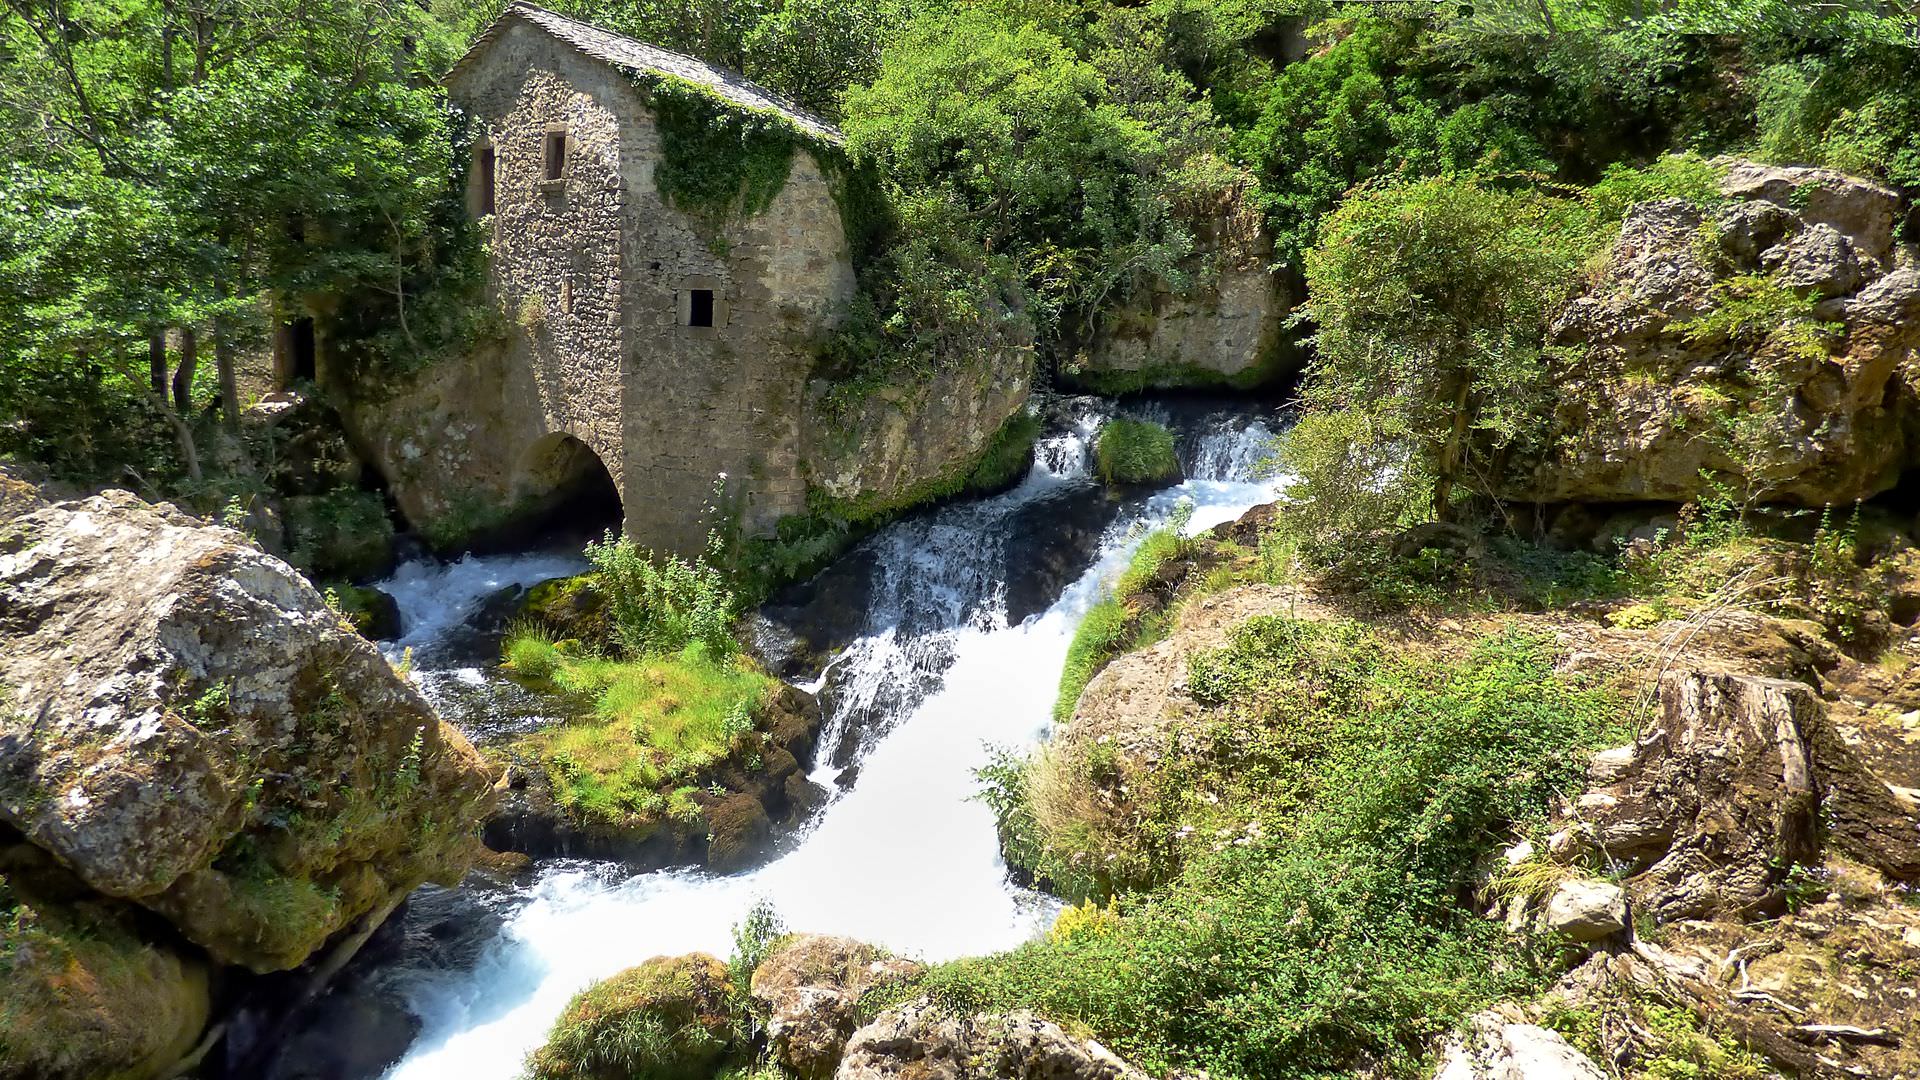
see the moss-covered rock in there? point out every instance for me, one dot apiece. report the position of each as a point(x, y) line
point(1136, 452)
point(670, 1018)
point(373, 614)
point(84, 997)
point(569, 608)
point(185, 724)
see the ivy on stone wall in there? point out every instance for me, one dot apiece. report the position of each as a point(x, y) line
point(719, 161)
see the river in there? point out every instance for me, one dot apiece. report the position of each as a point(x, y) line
point(905, 857)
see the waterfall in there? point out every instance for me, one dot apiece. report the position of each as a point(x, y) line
point(906, 858)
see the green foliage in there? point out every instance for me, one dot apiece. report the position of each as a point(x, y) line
point(652, 725)
point(1328, 818)
point(755, 938)
point(1431, 300)
point(1133, 451)
point(1855, 109)
point(1113, 626)
point(718, 161)
point(663, 603)
point(1008, 456)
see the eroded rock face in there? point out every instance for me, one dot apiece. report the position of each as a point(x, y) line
point(1715, 801)
point(810, 987)
point(1653, 396)
point(1224, 326)
point(920, 1042)
point(910, 440)
point(186, 725)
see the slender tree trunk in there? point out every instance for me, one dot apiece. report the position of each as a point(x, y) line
point(223, 356)
point(157, 359)
point(166, 44)
point(229, 384)
point(1450, 456)
point(189, 366)
point(182, 431)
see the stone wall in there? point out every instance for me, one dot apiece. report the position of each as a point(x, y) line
point(594, 274)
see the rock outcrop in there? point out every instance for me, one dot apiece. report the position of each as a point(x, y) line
point(914, 439)
point(1497, 1048)
point(1768, 342)
point(919, 1041)
point(1224, 325)
point(194, 749)
point(810, 987)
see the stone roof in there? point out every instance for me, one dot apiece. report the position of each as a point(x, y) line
point(636, 56)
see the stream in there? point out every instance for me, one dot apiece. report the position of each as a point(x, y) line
point(968, 613)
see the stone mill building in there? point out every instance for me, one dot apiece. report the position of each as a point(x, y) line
point(643, 340)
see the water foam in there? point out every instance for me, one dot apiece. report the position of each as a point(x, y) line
point(907, 859)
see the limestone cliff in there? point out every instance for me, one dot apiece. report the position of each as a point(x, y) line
point(1223, 324)
point(199, 762)
point(1767, 342)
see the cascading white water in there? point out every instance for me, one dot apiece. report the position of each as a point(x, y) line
point(907, 859)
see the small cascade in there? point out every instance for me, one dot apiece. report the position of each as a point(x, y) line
point(951, 663)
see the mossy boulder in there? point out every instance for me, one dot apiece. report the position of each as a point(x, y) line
point(374, 615)
point(185, 725)
point(669, 1018)
point(1134, 453)
point(569, 608)
point(84, 997)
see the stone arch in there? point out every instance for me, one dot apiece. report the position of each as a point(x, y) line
point(563, 486)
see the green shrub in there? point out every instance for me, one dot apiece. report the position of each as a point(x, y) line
point(1135, 452)
point(529, 652)
point(669, 1018)
point(1111, 626)
point(1330, 814)
point(663, 603)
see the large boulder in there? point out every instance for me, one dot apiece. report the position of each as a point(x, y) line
point(1803, 395)
point(83, 994)
point(669, 1018)
point(921, 1041)
point(912, 439)
point(810, 987)
point(186, 725)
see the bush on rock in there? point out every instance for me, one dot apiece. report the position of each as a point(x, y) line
point(1136, 452)
point(669, 1018)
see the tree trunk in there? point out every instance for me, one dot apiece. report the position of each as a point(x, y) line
point(229, 384)
point(157, 359)
point(223, 358)
point(1450, 456)
point(183, 375)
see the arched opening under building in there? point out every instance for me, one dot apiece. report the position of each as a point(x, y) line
point(564, 492)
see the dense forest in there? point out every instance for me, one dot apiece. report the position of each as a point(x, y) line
point(180, 175)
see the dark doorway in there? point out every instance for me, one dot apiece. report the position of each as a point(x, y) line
point(300, 342)
point(700, 308)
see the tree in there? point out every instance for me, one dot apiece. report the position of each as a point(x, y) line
point(1431, 300)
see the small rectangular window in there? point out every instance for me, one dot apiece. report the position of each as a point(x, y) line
point(556, 154)
point(700, 308)
point(483, 178)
